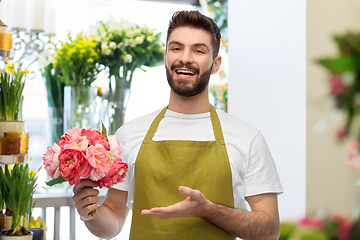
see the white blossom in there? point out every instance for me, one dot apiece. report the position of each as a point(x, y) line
point(128, 58)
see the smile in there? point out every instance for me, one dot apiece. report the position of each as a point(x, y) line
point(185, 72)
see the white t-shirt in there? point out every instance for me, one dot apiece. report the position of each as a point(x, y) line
point(253, 169)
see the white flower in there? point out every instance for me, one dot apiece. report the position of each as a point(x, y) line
point(130, 33)
point(137, 31)
point(128, 58)
point(150, 38)
point(139, 39)
point(132, 43)
point(105, 49)
point(112, 45)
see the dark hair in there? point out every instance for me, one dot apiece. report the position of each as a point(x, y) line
point(196, 20)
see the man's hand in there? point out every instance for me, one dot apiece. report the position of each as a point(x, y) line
point(85, 198)
point(192, 206)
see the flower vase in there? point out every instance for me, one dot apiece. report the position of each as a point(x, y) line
point(81, 107)
point(55, 123)
point(114, 109)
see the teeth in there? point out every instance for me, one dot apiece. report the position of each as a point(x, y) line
point(185, 72)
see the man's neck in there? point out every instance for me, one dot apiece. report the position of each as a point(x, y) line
point(189, 105)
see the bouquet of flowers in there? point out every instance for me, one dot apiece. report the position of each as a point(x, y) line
point(85, 153)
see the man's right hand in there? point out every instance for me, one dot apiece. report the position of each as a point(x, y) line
point(86, 198)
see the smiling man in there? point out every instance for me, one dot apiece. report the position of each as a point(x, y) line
point(192, 168)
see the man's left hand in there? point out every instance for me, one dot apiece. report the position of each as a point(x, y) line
point(192, 206)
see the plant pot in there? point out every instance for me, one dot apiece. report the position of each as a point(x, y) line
point(11, 126)
point(38, 233)
point(2, 221)
point(22, 237)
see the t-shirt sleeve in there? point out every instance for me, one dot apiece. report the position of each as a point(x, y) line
point(121, 136)
point(261, 174)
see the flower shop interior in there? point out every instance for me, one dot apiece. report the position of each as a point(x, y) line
point(290, 67)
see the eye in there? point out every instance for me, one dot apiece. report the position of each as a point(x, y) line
point(175, 48)
point(199, 51)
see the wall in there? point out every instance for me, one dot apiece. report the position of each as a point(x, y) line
point(267, 78)
point(329, 181)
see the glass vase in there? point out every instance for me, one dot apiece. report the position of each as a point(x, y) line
point(56, 124)
point(81, 108)
point(114, 109)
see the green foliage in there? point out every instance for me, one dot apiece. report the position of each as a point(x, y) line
point(18, 185)
point(12, 83)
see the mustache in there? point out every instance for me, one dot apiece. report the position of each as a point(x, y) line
point(186, 65)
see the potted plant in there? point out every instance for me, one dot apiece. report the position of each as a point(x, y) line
point(17, 186)
point(12, 82)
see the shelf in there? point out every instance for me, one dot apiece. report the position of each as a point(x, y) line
point(13, 159)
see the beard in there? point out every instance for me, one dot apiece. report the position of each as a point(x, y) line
point(181, 87)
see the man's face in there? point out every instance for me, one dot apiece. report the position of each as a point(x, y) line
point(189, 61)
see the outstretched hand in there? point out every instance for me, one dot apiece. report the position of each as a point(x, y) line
point(192, 206)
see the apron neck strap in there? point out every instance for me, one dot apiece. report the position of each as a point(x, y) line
point(214, 120)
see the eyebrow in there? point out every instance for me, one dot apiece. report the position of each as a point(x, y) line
point(196, 44)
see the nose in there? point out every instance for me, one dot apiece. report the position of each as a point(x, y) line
point(186, 56)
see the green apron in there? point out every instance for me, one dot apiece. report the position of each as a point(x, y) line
point(162, 166)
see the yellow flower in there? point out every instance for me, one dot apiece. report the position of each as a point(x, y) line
point(38, 223)
point(9, 68)
point(25, 72)
point(90, 60)
point(222, 74)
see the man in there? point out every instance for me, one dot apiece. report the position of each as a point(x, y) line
point(191, 168)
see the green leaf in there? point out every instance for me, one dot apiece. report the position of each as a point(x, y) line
point(55, 181)
point(338, 65)
point(104, 131)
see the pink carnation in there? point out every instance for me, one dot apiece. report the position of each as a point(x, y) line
point(99, 160)
point(115, 147)
point(73, 165)
point(116, 174)
point(51, 161)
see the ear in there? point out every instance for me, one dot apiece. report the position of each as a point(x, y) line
point(164, 53)
point(216, 64)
